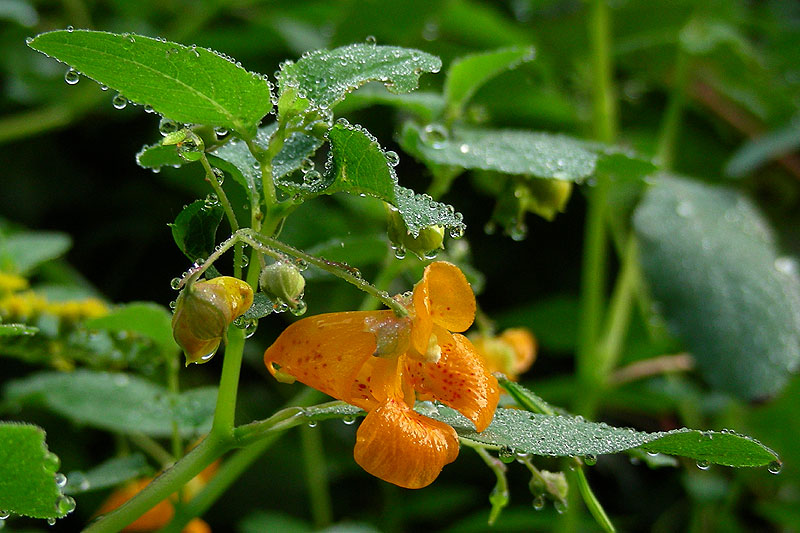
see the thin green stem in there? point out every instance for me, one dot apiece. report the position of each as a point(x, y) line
point(316, 476)
point(152, 448)
point(229, 383)
point(604, 102)
point(499, 496)
point(173, 384)
point(670, 126)
point(392, 268)
point(591, 501)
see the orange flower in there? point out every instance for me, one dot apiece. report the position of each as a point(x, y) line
point(382, 363)
point(512, 352)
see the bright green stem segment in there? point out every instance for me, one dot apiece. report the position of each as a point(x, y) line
point(316, 477)
point(670, 127)
point(229, 383)
point(592, 502)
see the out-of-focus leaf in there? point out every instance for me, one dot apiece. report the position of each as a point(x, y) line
point(117, 402)
point(357, 251)
point(468, 73)
point(108, 474)
point(324, 77)
point(22, 252)
point(27, 474)
point(425, 105)
point(715, 273)
point(146, 318)
point(542, 155)
point(758, 151)
point(187, 84)
point(14, 330)
point(195, 228)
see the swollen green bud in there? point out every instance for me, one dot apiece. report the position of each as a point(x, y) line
point(283, 281)
point(190, 146)
point(547, 197)
point(424, 245)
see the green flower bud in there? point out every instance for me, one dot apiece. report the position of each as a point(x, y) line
point(423, 245)
point(546, 197)
point(203, 312)
point(190, 146)
point(283, 281)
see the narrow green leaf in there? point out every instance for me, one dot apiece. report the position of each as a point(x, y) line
point(324, 77)
point(14, 330)
point(542, 155)
point(187, 84)
point(756, 152)
point(117, 402)
point(108, 474)
point(195, 229)
point(22, 252)
point(145, 318)
point(716, 276)
point(468, 73)
point(27, 473)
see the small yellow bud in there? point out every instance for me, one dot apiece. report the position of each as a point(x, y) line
point(283, 281)
point(203, 312)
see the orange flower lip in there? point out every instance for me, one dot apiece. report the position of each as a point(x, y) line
point(382, 363)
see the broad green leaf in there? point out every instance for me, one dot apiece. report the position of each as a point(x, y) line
point(716, 276)
point(155, 156)
point(195, 228)
point(108, 474)
point(117, 402)
point(358, 165)
point(22, 252)
point(758, 151)
point(468, 73)
point(145, 318)
point(28, 474)
point(324, 77)
point(187, 84)
point(542, 155)
point(14, 330)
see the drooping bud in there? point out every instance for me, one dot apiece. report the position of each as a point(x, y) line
point(547, 197)
point(424, 245)
point(283, 281)
point(204, 311)
point(511, 353)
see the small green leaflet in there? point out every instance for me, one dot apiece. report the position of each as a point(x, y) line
point(108, 474)
point(14, 330)
point(117, 402)
point(713, 267)
point(28, 470)
point(538, 154)
point(324, 77)
point(145, 318)
point(189, 84)
point(468, 73)
point(195, 229)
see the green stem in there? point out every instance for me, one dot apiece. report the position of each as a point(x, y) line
point(392, 268)
point(604, 102)
point(316, 477)
point(173, 384)
point(153, 448)
point(670, 127)
point(229, 384)
point(591, 501)
point(499, 496)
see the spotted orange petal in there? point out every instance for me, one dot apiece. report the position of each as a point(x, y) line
point(398, 445)
point(327, 352)
point(459, 380)
point(451, 302)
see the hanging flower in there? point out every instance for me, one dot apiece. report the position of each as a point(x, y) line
point(204, 311)
point(383, 363)
point(512, 352)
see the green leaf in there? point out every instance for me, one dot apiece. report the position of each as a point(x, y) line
point(187, 84)
point(108, 474)
point(22, 252)
point(14, 330)
point(427, 106)
point(716, 276)
point(324, 77)
point(758, 151)
point(145, 318)
point(468, 73)
point(27, 474)
point(117, 402)
point(262, 306)
point(542, 155)
point(155, 156)
point(195, 229)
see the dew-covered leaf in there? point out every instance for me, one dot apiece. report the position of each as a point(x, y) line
point(326, 76)
point(155, 156)
point(570, 436)
point(358, 165)
point(188, 84)
point(262, 306)
point(27, 473)
point(117, 402)
point(468, 73)
point(542, 155)
point(14, 330)
point(195, 228)
point(145, 318)
point(108, 474)
point(22, 252)
point(716, 276)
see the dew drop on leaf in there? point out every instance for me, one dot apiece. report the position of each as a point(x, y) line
point(590, 459)
point(312, 423)
point(72, 77)
point(538, 502)
point(299, 308)
point(119, 101)
point(703, 464)
point(51, 521)
point(61, 479)
point(775, 467)
point(167, 126)
point(392, 158)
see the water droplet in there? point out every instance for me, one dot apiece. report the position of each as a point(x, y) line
point(490, 228)
point(167, 126)
point(560, 506)
point(392, 158)
point(306, 164)
point(173, 304)
point(343, 122)
point(299, 308)
point(240, 322)
point(66, 505)
point(786, 265)
point(301, 264)
point(435, 135)
point(51, 461)
point(51, 521)
point(506, 454)
point(119, 101)
point(244, 261)
point(250, 328)
point(399, 252)
point(590, 459)
point(104, 88)
point(61, 479)
point(149, 109)
point(518, 231)
point(72, 77)
point(775, 467)
point(349, 420)
point(312, 423)
point(79, 479)
point(220, 132)
point(28, 40)
point(684, 209)
point(456, 232)
point(4, 515)
point(464, 148)
point(70, 29)
point(211, 201)
point(431, 254)
point(371, 39)
point(703, 464)
point(539, 502)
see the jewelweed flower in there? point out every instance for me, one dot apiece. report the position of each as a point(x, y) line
point(512, 352)
point(204, 311)
point(383, 363)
